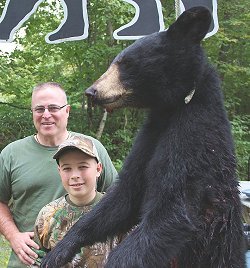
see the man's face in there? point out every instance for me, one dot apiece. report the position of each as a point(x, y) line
point(50, 123)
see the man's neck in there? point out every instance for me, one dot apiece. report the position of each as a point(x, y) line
point(52, 141)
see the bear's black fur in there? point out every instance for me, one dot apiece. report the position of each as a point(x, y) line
point(178, 185)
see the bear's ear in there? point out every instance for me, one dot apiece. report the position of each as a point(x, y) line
point(193, 24)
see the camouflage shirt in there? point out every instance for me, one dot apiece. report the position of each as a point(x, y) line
point(55, 220)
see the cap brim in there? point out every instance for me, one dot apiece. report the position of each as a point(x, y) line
point(67, 148)
point(62, 150)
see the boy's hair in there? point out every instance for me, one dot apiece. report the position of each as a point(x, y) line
point(83, 144)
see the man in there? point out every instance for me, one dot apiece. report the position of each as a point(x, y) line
point(28, 175)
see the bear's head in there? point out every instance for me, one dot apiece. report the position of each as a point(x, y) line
point(158, 70)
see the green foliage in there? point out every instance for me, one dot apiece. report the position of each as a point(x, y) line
point(118, 145)
point(4, 252)
point(121, 128)
point(229, 49)
point(241, 133)
point(77, 64)
point(14, 124)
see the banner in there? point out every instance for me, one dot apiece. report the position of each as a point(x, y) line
point(75, 25)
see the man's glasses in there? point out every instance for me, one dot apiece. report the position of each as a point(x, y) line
point(52, 108)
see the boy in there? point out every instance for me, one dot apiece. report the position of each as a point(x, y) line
point(79, 168)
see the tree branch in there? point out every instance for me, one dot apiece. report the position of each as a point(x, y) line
point(13, 105)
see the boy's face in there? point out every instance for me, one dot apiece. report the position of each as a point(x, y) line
point(79, 173)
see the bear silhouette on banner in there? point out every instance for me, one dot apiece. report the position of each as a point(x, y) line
point(177, 196)
point(75, 25)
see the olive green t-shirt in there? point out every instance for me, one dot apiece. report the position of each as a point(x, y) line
point(29, 178)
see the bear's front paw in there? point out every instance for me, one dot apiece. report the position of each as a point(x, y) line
point(58, 257)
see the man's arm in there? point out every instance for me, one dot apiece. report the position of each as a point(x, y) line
point(20, 242)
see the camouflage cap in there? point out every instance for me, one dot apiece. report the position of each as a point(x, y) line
point(77, 142)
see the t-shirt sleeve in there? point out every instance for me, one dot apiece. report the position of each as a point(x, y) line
point(5, 177)
point(109, 174)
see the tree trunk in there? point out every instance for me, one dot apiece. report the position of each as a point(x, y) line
point(101, 125)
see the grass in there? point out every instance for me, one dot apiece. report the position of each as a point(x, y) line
point(4, 252)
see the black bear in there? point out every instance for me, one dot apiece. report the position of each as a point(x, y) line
point(178, 186)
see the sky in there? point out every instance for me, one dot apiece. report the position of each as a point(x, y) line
point(7, 47)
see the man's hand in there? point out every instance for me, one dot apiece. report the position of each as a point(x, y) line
point(21, 243)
